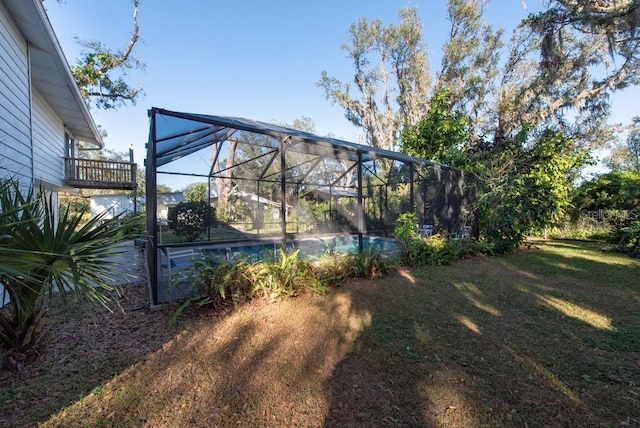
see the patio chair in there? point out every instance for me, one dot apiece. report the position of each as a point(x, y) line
point(426, 230)
point(178, 260)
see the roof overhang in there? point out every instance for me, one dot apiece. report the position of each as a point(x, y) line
point(50, 72)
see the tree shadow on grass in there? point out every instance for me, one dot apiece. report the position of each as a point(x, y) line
point(82, 347)
point(260, 365)
point(598, 289)
point(473, 344)
point(477, 344)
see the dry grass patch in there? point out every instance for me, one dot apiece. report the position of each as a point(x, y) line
point(546, 337)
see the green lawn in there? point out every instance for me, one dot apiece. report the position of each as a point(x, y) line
point(549, 336)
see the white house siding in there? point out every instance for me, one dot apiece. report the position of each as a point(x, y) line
point(48, 143)
point(113, 204)
point(15, 147)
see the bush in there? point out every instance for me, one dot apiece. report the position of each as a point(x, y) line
point(333, 269)
point(369, 265)
point(507, 231)
point(287, 277)
point(629, 239)
point(217, 281)
point(431, 251)
point(434, 250)
point(464, 248)
point(42, 252)
point(189, 219)
point(407, 235)
point(582, 229)
point(220, 281)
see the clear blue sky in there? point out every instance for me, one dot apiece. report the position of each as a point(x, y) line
point(249, 58)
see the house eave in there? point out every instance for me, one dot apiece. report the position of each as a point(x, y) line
point(50, 72)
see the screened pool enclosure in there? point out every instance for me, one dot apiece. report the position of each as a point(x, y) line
point(272, 187)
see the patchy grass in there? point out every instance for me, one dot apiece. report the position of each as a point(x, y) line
point(546, 337)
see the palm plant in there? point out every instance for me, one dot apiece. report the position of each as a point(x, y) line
point(42, 252)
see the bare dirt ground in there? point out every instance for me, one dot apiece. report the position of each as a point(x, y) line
point(83, 346)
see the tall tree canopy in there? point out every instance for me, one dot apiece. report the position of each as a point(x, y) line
point(470, 64)
point(626, 157)
point(101, 73)
point(392, 78)
point(612, 191)
point(443, 135)
point(563, 65)
point(521, 116)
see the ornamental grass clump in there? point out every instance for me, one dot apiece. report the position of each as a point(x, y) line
point(286, 277)
point(370, 265)
point(220, 281)
point(333, 269)
point(465, 248)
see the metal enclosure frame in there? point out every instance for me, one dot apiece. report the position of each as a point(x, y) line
point(292, 162)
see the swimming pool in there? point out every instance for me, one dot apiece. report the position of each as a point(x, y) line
point(310, 248)
point(176, 262)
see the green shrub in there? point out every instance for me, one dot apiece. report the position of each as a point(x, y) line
point(369, 265)
point(42, 252)
point(585, 231)
point(464, 248)
point(629, 239)
point(219, 281)
point(225, 281)
point(434, 250)
point(332, 269)
point(431, 251)
point(407, 235)
point(287, 277)
point(189, 219)
point(507, 231)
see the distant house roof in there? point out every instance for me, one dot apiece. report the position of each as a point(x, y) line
point(172, 198)
point(326, 193)
point(252, 197)
point(50, 72)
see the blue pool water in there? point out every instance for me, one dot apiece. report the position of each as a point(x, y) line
point(310, 248)
point(174, 282)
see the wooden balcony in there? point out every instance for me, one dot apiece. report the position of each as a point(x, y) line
point(100, 174)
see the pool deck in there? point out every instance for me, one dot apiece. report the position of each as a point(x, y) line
point(127, 267)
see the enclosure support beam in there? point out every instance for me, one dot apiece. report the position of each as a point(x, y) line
point(268, 165)
point(386, 204)
point(258, 212)
point(411, 197)
point(422, 209)
point(311, 168)
point(283, 192)
point(297, 208)
point(335, 182)
point(152, 202)
point(209, 223)
point(361, 225)
point(216, 153)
